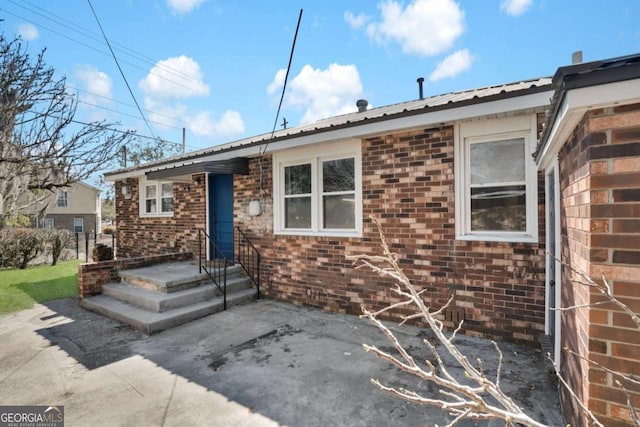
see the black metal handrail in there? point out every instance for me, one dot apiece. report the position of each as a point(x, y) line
point(216, 268)
point(248, 257)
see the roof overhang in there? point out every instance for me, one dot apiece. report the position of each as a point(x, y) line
point(580, 88)
point(573, 106)
point(238, 165)
point(532, 100)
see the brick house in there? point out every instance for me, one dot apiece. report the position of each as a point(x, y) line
point(76, 208)
point(590, 155)
point(471, 187)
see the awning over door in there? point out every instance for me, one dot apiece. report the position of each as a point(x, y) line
point(238, 166)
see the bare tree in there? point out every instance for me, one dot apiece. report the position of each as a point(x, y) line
point(147, 150)
point(476, 396)
point(42, 147)
point(620, 378)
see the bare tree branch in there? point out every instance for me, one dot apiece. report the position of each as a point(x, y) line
point(625, 377)
point(604, 289)
point(573, 395)
point(461, 400)
point(468, 400)
point(42, 147)
point(632, 411)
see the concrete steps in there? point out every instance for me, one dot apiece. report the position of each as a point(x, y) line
point(172, 277)
point(152, 299)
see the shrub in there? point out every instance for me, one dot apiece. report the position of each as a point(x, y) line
point(20, 246)
point(19, 221)
point(59, 239)
point(109, 230)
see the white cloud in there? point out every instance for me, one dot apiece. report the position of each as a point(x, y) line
point(203, 124)
point(452, 65)
point(174, 78)
point(515, 7)
point(277, 82)
point(356, 22)
point(163, 115)
point(96, 83)
point(180, 78)
point(28, 32)
point(182, 7)
point(423, 27)
point(322, 93)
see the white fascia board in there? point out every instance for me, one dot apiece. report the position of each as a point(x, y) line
point(576, 103)
point(446, 116)
point(428, 118)
point(124, 175)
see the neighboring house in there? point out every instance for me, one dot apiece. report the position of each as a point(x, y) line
point(76, 208)
point(472, 188)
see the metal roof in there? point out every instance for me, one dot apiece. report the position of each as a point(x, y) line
point(388, 112)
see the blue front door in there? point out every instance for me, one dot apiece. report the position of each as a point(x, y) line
point(221, 214)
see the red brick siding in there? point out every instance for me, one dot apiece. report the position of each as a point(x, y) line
point(138, 236)
point(408, 183)
point(600, 184)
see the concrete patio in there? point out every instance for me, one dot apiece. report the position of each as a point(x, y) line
point(262, 364)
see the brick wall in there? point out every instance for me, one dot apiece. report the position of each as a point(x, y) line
point(65, 221)
point(600, 185)
point(93, 275)
point(138, 236)
point(408, 183)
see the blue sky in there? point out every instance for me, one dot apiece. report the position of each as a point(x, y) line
point(215, 67)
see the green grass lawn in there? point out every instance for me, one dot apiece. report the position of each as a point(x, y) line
point(20, 289)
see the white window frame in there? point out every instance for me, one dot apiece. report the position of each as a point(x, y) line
point(80, 221)
point(48, 223)
point(143, 183)
point(486, 131)
point(63, 199)
point(315, 155)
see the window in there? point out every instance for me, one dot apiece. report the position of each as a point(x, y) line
point(297, 199)
point(78, 225)
point(318, 193)
point(338, 193)
point(496, 186)
point(63, 199)
point(156, 198)
point(47, 223)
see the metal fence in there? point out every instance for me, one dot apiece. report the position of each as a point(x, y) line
point(95, 246)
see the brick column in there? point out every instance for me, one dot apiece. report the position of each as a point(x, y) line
point(600, 173)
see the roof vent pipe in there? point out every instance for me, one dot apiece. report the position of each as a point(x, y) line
point(576, 57)
point(420, 81)
point(362, 105)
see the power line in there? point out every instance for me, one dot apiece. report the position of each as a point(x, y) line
point(127, 114)
point(137, 135)
point(128, 105)
point(275, 122)
point(286, 77)
point(119, 68)
point(153, 64)
point(91, 35)
point(69, 26)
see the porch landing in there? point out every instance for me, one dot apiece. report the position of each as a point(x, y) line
point(155, 298)
point(167, 277)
